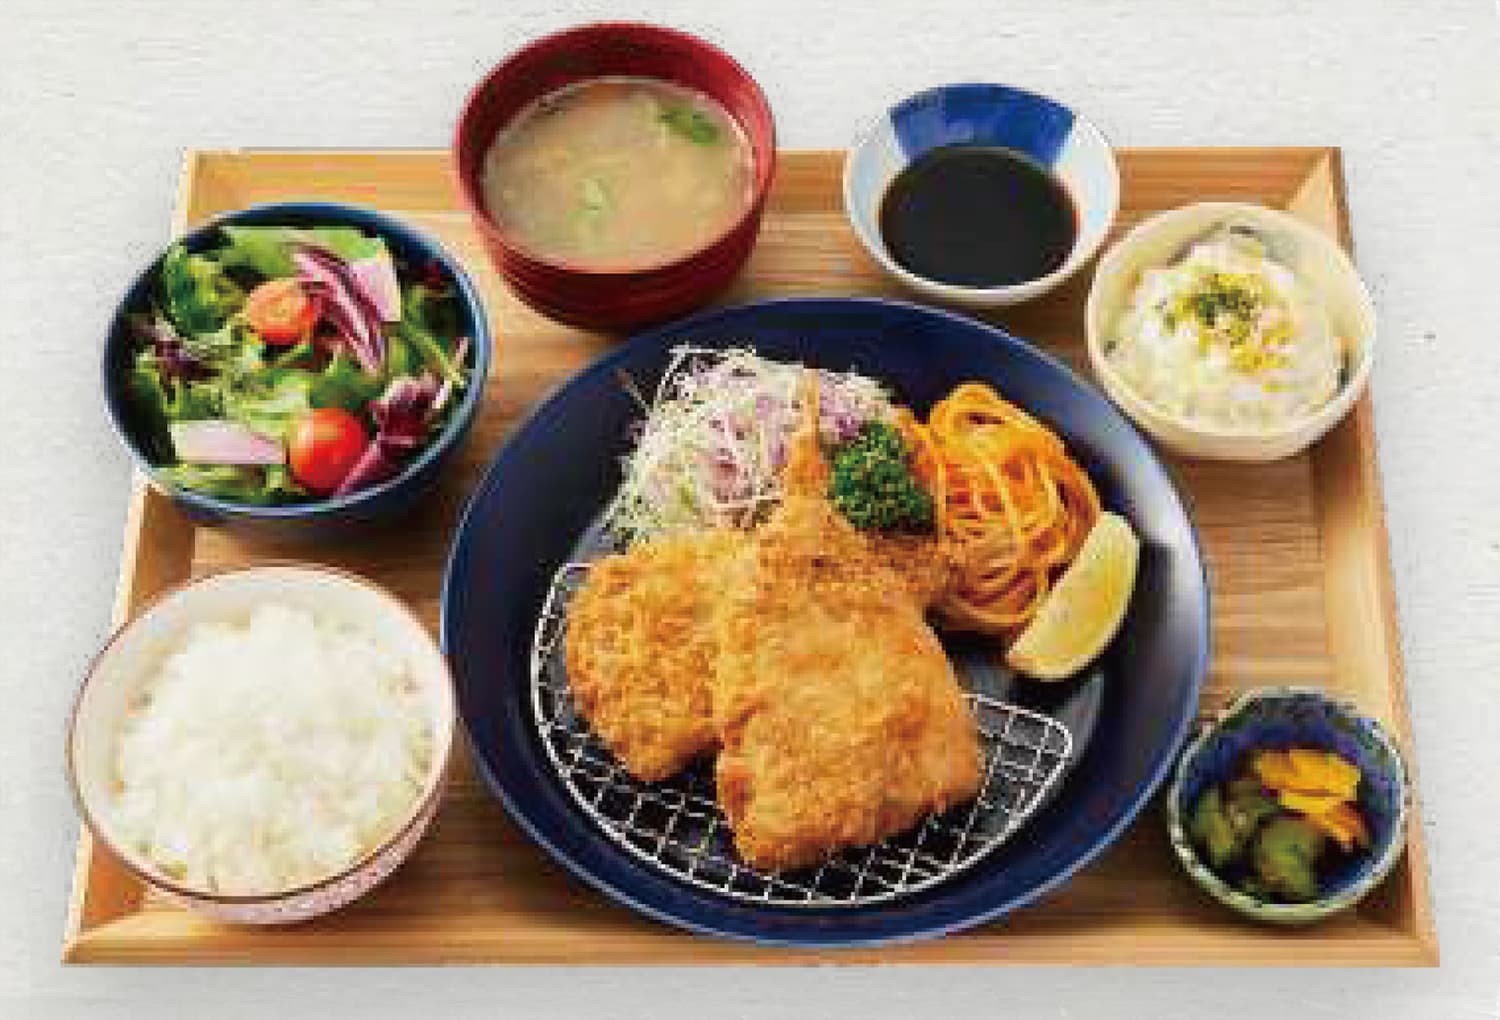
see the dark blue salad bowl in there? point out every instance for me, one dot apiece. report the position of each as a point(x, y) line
point(562, 466)
point(324, 519)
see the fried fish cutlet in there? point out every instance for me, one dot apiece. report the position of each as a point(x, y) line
point(926, 564)
point(640, 650)
point(840, 718)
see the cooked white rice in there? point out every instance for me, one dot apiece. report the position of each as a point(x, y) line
point(267, 755)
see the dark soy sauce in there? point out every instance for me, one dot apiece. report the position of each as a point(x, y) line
point(977, 216)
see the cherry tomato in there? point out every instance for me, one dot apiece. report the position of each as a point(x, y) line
point(323, 447)
point(281, 312)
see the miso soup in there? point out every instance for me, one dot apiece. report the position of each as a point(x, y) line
point(621, 173)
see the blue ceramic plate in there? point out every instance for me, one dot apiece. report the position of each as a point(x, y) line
point(552, 480)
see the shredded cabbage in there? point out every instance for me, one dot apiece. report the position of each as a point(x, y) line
point(714, 440)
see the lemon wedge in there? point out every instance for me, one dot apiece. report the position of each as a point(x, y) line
point(1086, 607)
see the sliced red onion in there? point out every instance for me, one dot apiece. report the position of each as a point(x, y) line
point(376, 279)
point(351, 313)
point(216, 441)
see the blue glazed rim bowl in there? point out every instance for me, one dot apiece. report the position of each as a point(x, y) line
point(977, 113)
point(1282, 717)
point(551, 480)
point(378, 502)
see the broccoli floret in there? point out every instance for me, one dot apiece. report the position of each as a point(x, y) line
point(873, 485)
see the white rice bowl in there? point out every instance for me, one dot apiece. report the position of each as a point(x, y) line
point(262, 732)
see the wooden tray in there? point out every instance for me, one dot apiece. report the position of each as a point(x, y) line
point(1297, 549)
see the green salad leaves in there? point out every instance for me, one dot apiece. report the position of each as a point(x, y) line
point(237, 483)
point(198, 295)
point(427, 316)
point(247, 339)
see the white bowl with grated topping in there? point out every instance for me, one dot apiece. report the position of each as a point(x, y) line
point(1187, 397)
point(264, 745)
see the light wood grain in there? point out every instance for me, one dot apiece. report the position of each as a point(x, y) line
point(1297, 553)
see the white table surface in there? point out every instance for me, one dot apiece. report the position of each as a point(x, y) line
point(97, 102)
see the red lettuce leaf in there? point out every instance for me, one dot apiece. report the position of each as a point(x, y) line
point(173, 359)
point(402, 416)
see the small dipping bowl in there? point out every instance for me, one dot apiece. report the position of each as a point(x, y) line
point(1312, 255)
point(335, 518)
point(127, 662)
point(1041, 129)
point(609, 299)
point(1283, 717)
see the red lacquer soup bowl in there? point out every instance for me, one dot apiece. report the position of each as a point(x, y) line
point(611, 299)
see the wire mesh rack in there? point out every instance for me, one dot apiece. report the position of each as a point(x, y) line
point(676, 825)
